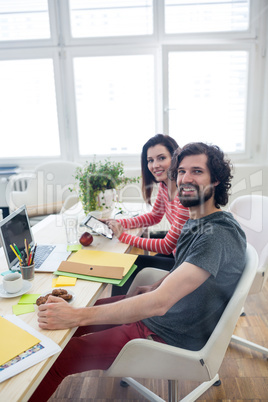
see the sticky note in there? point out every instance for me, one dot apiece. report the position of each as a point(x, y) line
point(28, 299)
point(54, 281)
point(6, 272)
point(63, 281)
point(19, 309)
point(74, 247)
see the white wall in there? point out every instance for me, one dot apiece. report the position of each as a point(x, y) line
point(249, 179)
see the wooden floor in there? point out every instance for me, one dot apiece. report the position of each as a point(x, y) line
point(244, 373)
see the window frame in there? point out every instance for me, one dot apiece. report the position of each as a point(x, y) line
point(38, 54)
point(62, 48)
point(225, 36)
point(105, 51)
point(112, 40)
point(250, 48)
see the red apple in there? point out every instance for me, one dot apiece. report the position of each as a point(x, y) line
point(86, 239)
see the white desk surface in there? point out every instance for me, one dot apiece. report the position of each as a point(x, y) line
point(50, 230)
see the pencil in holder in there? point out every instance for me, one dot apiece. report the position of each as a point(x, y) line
point(27, 272)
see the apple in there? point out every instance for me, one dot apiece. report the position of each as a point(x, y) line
point(86, 239)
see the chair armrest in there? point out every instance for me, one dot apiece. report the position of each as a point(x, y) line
point(147, 276)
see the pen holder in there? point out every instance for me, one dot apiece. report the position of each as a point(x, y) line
point(27, 272)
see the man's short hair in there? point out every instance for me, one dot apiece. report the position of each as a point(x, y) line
point(219, 167)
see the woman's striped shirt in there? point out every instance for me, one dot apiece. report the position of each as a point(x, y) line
point(176, 215)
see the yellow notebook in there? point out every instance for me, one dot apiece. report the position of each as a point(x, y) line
point(104, 258)
point(14, 340)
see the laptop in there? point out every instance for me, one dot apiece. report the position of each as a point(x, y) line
point(15, 228)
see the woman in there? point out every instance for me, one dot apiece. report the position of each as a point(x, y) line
point(155, 162)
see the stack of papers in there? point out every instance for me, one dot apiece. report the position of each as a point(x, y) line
point(21, 346)
point(99, 266)
point(14, 340)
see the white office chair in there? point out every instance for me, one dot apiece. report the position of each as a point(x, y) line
point(19, 182)
point(70, 202)
point(46, 190)
point(143, 358)
point(251, 211)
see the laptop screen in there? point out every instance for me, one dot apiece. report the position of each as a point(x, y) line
point(15, 228)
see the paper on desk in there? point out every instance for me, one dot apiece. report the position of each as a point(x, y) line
point(49, 349)
point(104, 258)
point(13, 340)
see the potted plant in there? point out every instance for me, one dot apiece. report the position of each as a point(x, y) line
point(96, 183)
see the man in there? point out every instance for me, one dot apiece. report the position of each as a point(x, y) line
point(184, 307)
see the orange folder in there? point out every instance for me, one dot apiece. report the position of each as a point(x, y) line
point(91, 270)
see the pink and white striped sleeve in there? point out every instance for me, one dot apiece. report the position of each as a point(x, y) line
point(149, 219)
point(166, 245)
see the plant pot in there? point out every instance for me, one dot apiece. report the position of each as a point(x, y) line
point(106, 202)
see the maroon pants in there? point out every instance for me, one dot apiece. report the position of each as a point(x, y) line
point(93, 347)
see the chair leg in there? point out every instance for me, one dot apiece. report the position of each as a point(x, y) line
point(197, 392)
point(248, 344)
point(173, 395)
point(124, 384)
point(142, 390)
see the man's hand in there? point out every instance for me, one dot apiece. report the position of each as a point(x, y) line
point(56, 314)
point(146, 289)
point(140, 290)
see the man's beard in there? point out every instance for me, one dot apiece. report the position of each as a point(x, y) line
point(199, 199)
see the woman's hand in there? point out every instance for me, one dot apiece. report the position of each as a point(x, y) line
point(115, 226)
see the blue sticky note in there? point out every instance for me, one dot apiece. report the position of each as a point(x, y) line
point(6, 272)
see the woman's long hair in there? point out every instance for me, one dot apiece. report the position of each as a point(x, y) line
point(147, 178)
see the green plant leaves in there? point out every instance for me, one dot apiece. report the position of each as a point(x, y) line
point(96, 177)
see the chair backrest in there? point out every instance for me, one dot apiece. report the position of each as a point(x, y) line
point(146, 359)
point(215, 348)
point(251, 211)
point(21, 181)
point(48, 188)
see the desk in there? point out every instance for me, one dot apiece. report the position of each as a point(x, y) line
point(50, 230)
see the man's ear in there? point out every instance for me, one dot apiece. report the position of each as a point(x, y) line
point(216, 183)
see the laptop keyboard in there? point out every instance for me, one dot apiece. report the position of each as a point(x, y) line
point(41, 254)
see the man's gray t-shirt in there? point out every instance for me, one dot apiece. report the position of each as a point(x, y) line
point(217, 244)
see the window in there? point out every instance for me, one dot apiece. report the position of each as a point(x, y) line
point(20, 20)
point(99, 77)
point(28, 108)
point(206, 16)
point(208, 97)
point(95, 18)
point(115, 103)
